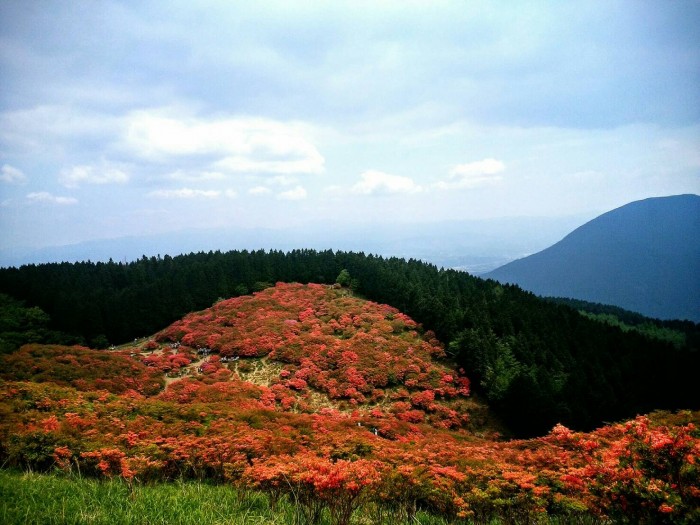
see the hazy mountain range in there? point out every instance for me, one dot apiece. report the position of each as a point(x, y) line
point(476, 246)
point(644, 256)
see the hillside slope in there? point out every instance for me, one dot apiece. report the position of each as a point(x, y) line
point(536, 363)
point(335, 405)
point(644, 256)
point(317, 346)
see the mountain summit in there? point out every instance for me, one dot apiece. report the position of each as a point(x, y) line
point(644, 256)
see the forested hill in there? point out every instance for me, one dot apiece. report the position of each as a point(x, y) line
point(537, 363)
point(644, 256)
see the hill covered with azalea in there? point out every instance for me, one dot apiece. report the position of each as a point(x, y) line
point(345, 407)
point(316, 343)
point(536, 363)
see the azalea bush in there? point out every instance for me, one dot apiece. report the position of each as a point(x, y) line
point(350, 407)
point(352, 350)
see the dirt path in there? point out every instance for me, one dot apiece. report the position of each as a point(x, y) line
point(189, 370)
point(264, 373)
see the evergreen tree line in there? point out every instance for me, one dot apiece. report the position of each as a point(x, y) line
point(681, 332)
point(537, 362)
point(20, 325)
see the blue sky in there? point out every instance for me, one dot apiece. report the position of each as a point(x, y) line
point(129, 118)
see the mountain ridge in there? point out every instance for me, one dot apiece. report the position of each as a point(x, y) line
point(642, 256)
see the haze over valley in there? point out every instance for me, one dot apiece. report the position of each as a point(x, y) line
point(475, 246)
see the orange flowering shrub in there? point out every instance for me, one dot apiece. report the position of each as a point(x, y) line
point(347, 407)
point(352, 350)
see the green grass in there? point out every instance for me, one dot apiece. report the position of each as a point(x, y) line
point(52, 499)
point(45, 499)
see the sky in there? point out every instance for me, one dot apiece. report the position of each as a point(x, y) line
point(140, 118)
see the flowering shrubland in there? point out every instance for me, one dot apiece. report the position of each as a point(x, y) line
point(354, 351)
point(81, 367)
point(334, 403)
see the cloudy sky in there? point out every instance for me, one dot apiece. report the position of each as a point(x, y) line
point(127, 118)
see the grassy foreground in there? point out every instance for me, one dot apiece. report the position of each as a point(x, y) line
point(52, 499)
point(46, 499)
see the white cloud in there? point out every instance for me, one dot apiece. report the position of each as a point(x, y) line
point(283, 181)
point(480, 167)
point(45, 196)
point(195, 176)
point(185, 193)
point(73, 177)
point(231, 194)
point(238, 164)
point(378, 182)
point(259, 190)
point(238, 145)
point(12, 175)
point(473, 174)
point(295, 194)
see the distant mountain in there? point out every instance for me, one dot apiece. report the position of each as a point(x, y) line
point(644, 256)
point(476, 246)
